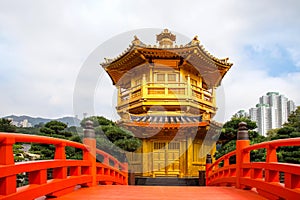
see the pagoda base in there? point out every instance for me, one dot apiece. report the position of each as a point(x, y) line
point(167, 181)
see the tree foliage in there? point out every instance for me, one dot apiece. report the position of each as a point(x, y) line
point(291, 129)
point(28, 130)
point(294, 120)
point(58, 130)
point(112, 138)
point(6, 126)
point(272, 132)
point(97, 121)
point(230, 129)
point(229, 134)
point(18, 150)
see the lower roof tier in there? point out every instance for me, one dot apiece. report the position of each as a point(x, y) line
point(166, 119)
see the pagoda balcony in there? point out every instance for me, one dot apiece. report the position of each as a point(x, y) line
point(166, 94)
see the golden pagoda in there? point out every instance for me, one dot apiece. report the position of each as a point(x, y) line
point(166, 97)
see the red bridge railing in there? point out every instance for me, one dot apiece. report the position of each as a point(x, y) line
point(262, 176)
point(66, 173)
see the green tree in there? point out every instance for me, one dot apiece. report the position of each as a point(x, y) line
point(18, 152)
point(111, 138)
point(230, 129)
point(46, 151)
point(74, 129)
point(97, 121)
point(229, 134)
point(6, 126)
point(39, 125)
point(294, 120)
point(28, 130)
point(58, 130)
point(291, 129)
point(272, 132)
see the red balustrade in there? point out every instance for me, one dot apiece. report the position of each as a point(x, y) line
point(260, 176)
point(66, 173)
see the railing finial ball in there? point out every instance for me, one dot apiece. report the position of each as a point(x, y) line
point(89, 129)
point(242, 131)
point(243, 126)
point(89, 124)
point(208, 159)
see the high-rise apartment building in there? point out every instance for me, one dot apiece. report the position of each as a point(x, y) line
point(291, 106)
point(271, 112)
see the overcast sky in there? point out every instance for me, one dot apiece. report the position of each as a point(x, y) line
point(45, 44)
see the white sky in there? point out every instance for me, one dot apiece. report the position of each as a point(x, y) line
point(44, 45)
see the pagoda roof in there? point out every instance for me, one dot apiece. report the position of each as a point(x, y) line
point(171, 122)
point(159, 121)
point(193, 54)
point(166, 119)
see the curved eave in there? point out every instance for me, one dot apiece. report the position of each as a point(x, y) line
point(214, 69)
point(166, 125)
point(116, 68)
point(109, 61)
point(211, 72)
point(223, 62)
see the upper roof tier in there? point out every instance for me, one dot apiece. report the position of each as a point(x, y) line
point(193, 54)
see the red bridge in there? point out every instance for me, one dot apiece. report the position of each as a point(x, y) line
point(88, 179)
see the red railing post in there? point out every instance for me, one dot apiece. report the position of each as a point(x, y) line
point(7, 184)
point(116, 165)
point(106, 160)
point(208, 171)
point(60, 153)
point(125, 167)
point(126, 171)
point(271, 175)
point(38, 177)
point(241, 156)
point(90, 141)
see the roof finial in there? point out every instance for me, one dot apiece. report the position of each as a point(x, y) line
point(136, 40)
point(165, 38)
point(195, 40)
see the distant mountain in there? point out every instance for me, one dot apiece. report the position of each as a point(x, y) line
point(70, 121)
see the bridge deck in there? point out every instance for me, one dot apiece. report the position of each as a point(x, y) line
point(115, 192)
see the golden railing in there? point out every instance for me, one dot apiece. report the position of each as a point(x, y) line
point(166, 92)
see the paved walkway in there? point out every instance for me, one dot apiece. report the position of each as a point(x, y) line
point(116, 192)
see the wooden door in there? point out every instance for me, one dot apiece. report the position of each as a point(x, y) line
point(166, 158)
point(159, 155)
point(173, 154)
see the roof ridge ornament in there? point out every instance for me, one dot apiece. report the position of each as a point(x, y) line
point(136, 41)
point(195, 40)
point(108, 60)
point(225, 60)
